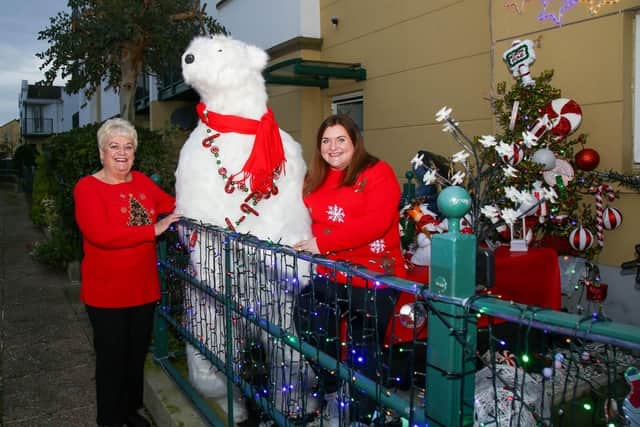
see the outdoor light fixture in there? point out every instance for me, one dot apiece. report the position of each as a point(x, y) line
point(334, 21)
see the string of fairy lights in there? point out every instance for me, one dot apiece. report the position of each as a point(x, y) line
point(526, 376)
point(555, 10)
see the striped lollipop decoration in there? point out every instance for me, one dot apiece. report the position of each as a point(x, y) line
point(565, 115)
point(580, 239)
point(611, 218)
point(561, 117)
point(611, 196)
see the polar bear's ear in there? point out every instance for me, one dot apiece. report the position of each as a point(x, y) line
point(257, 57)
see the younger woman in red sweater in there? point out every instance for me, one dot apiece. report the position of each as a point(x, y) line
point(353, 200)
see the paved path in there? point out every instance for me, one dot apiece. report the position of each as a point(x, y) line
point(46, 356)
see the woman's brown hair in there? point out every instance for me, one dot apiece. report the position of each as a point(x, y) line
point(360, 161)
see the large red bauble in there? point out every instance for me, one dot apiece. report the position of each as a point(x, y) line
point(587, 159)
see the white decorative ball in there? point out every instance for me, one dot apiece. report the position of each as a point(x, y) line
point(545, 157)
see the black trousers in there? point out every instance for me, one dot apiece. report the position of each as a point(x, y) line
point(318, 314)
point(121, 338)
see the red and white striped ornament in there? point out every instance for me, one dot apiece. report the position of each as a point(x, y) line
point(506, 357)
point(580, 239)
point(504, 232)
point(516, 155)
point(611, 218)
point(611, 196)
point(561, 117)
point(543, 208)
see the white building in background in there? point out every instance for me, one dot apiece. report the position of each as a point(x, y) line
point(103, 104)
point(41, 111)
point(268, 23)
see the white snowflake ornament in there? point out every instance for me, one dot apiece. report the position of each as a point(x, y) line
point(335, 213)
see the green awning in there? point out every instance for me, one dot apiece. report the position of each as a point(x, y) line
point(303, 72)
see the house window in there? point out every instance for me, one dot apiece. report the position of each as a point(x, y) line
point(636, 95)
point(38, 119)
point(350, 104)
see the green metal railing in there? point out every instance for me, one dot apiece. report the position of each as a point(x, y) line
point(208, 266)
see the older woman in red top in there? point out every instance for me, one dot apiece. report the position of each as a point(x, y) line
point(117, 212)
point(353, 200)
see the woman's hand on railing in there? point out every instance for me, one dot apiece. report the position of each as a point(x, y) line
point(162, 225)
point(309, 245)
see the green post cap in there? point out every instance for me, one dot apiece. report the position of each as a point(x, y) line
point(454, 202)
point(409, 175)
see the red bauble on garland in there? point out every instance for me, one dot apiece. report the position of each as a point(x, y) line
point(597, 292)
point(587, 159)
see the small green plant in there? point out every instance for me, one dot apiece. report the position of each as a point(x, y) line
point(49, 214)
point(55, 252)
point(44, 186)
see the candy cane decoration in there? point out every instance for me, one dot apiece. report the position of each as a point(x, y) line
point(543, 208)
point(611, 196)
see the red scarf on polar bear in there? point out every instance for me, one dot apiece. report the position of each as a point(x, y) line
point(266, 161)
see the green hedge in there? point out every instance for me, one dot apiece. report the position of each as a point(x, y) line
point(24, 157)
point(67, 158)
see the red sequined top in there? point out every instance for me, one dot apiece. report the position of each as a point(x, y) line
point(359, 224)
point(119, 267)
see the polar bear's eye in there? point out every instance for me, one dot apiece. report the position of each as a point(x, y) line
point(219, 50)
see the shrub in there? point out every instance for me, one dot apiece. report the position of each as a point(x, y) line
point(44, 187)
point(24, 156)
point(57, 251)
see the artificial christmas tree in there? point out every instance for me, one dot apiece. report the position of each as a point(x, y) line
point(534, 182)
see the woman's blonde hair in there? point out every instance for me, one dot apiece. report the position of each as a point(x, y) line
point(117, 127)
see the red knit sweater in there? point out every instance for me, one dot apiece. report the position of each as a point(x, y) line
point(119, 268)
point(360, 223)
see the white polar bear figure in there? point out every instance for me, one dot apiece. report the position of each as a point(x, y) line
point(234, 172)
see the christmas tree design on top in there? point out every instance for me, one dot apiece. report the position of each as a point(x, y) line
point(138, 215)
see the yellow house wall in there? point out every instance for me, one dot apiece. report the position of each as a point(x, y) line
point(10, 133)
point(417, 59)
point(421, 55)
point(298, 109)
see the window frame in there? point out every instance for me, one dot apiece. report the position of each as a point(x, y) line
point(349, 98)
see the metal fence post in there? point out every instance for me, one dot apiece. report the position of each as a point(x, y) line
point(452, 339)
point(160, 337)
point(228, 283)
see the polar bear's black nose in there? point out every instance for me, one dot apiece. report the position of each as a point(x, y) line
point(189, 58)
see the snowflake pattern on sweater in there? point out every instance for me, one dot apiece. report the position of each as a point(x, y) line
point(335, 213)
point(359, 223)
point(377, 246)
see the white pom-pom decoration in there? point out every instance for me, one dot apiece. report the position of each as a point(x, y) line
point(545, 157)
